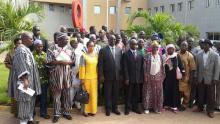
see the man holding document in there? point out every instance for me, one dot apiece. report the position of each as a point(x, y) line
point(25, 84)
point(61, 56)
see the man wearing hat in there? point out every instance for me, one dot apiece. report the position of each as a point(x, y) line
point(207, 75)
point(62, 57)
point(37, 35)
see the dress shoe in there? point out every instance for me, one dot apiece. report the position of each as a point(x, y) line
point(198, 110)
point(90, 114)
point(107, 113)
point(56, 119)
point(85, 115)
point(211, 115)
point(127, 112)
point(33, 122)
point(137, 111)
point(116, 112)
point(68, 117)
point(46, 116)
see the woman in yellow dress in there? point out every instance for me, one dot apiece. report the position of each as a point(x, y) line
point(88, 76)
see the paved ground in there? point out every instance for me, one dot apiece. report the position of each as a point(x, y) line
point(167, 117)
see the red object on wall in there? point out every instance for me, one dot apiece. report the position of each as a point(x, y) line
point(77, 14)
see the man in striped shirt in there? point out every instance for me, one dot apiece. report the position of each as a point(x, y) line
point(24, 71)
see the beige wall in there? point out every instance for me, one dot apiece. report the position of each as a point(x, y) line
point(101, 19)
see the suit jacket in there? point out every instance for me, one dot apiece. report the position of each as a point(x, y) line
point(209, 72)
point(133, 68)
point(108, 67)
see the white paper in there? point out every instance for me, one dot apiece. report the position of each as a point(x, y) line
point(63, 57)
point(29, 91)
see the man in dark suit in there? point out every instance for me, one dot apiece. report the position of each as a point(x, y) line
point(109, 68)
point(133, 74)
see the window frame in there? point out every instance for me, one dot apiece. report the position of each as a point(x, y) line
point(97, 9)
point(172, 8)
point(126, 12)
point(51, 7)
point(114, 10)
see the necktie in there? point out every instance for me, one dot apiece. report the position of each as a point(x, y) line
point(134, 53)
point(113, 52)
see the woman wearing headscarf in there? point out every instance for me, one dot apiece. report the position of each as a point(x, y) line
point(153, 80)
point(173, 66)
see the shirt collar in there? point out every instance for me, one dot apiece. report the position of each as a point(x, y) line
point(132, 50)
point(111, 47)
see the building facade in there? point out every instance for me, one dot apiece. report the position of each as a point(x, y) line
point(57, 13)
point(112, 13)
point(202, 13)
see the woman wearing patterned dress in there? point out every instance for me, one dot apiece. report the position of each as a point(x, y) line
point(88, 76)
point(153, 81)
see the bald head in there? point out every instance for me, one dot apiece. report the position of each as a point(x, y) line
point(184, 46)
point(27, 39)
point(133, 44)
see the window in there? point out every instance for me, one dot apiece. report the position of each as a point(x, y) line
point(162, 9)
point(213, 35)
point(172, 7)
point(97, 9)
point(51, 7)
point(217, 2)
point(180, 6)
point(156, 9)
point(140, 9)
point(112, 10)
point(191, 4)
point(70, 10)
point(62, 9)
point(127, 10)
point(208, 3)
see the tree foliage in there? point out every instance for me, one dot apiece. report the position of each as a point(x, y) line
point(161, 23)
point(17, 18)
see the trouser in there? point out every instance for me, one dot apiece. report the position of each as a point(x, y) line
point(43, 99)
point(184, 88)
point(194, 93)
point(217, 95)
point(26, 109)
point(111, 92)
point(73, 91)
point(206, 95)
point(132, 96)
point(66, 101)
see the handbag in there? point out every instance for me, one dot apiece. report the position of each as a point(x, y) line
point(179, 75)
point(82, 96)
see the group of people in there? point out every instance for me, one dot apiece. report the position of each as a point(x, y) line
point(154, 77)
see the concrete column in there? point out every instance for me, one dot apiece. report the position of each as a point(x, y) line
point(118, 16)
